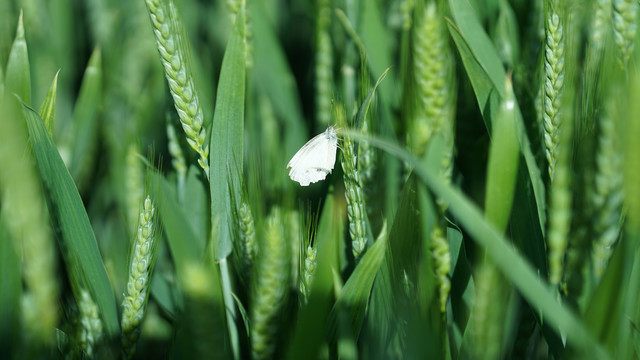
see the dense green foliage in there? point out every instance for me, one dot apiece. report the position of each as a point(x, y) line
point(485, 201)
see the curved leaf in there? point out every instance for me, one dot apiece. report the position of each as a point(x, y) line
point(354, 296)
point(487, 76)
point(503, 164)
point(77, 240)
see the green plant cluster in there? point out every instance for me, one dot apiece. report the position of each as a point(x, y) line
point(486, 204)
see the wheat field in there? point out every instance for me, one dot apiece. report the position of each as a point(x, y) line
point(484, 202)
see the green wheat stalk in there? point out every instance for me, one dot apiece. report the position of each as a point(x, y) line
point(172, 45)
point(140, 269)
point(487, 314)
point(608, 194)
point(433, 71)
point(433, 67)
point(294, 234)
point(406, 9)
point(248, 245)
point(324, 64)
point(270, 289)
point(560, 204)
point(554, 80)
point(625, 26)
point(599, 28)
point(177, 161)
point(439, 247)
point(134, 184)
point(366, 155)
point(309, 268)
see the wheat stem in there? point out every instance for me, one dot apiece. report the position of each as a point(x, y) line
point(366, 155)
point(248, 246)
point(487, 314)
point(560, 204)
point(134, 184)
point(608, 194)
point(324, 64)
point(442, 262)
point(177, 161)
point(294, 234)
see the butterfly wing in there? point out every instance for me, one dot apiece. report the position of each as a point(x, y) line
point(332, 146)
point(309, 164)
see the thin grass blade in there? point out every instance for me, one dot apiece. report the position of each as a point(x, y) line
point(48, 108)
point(366, 104)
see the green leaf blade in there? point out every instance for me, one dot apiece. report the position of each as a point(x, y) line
point(311, 326)
point(85, 120)
point(80, 249)
point(48, 108)
point(227, 137)
point(184, 245)
point(18, 76)
point(503, 163)
point(354, 296)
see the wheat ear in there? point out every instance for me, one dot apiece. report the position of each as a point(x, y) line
point(91, 328)
point(172, 45)
point(270, 288)
point(324, 64)
point(625, 26)
point(135, 299)
point(554, 81)
point(608, 195)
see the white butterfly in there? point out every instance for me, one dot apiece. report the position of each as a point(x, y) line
point(315, 159)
